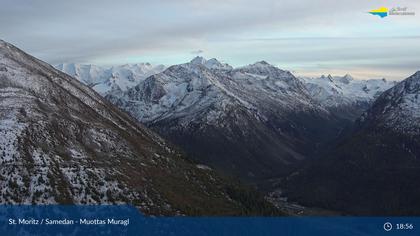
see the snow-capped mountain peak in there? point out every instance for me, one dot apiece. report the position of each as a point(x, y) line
point(106, 79)
point(198, 60)
point(399, 107)
point(263, 74)
point(260, 64)
point(215, 64)
point(335, 91)
point(327, 78)
point(346, 79)
point(263, 68)
point(212, 63)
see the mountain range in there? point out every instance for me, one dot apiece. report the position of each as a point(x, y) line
point(254, 122)
point(251, 122)
point(63, 143)
point(333, 141)
point(314, 138)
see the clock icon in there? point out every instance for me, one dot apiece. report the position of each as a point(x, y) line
point(387, 226)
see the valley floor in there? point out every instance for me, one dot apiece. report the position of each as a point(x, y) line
point(295, 209)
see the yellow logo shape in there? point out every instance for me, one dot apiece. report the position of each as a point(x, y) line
point(381, 12)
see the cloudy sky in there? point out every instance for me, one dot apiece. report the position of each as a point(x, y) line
point(311, 37)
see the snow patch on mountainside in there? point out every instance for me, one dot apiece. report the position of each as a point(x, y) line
point(10, 130)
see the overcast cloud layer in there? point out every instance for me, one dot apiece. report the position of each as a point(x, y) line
point(307, 37)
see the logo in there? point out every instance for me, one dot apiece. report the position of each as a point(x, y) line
point(381, 12)
point(395, 11)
